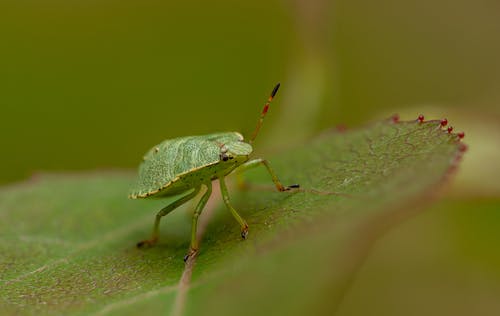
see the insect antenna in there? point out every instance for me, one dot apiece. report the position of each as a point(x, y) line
point(264, 112)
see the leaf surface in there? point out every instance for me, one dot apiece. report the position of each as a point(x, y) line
point(68, 241)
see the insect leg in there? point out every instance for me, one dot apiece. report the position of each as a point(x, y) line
point(257, 162)
point(164, 211)
point(225, 196)
point(196, 215)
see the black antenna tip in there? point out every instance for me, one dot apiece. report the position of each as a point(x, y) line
point(275, 90)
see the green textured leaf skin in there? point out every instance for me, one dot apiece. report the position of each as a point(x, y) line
point(67, 239)
point(177, 165)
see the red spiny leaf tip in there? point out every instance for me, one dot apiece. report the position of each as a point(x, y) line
point(444, 122)
point(461, 135)
point(421, 118)
point(450, 129)
point(395, 118)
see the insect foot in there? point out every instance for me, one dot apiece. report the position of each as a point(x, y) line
point(244, 232)
point(146, 243)
point(282, 188)
point(190, 255)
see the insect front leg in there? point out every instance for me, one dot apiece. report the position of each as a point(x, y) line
point(257, 162)
point(196, 215)
point(164, 211)
point(225, 196)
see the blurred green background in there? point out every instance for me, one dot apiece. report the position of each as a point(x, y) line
point(94, 84)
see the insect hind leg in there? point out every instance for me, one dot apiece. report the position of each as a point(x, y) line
point(164, 211)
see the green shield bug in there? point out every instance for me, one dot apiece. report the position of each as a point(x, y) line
point(181, 166)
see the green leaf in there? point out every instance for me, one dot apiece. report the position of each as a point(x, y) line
point(68, 241)
point(441, 262)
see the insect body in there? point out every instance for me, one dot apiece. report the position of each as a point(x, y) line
point(182, 166)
